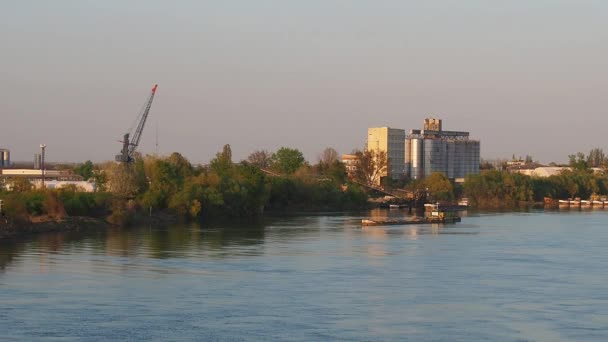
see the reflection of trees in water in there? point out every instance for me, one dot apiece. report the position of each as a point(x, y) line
point(42, 243)
point(222, 239)
point(9, 250)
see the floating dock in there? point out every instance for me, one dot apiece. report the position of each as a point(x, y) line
point(435, 215)
point(577, 203)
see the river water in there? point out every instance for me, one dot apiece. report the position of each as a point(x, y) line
point(493, 277)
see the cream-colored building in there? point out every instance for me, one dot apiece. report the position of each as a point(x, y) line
point(391, 141)
point(351, 163)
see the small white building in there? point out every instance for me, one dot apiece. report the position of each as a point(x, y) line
point(543, 171)
point(82, 186)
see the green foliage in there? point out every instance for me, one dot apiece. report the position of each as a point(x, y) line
point(498, 189)
point(14, 207)
point(20, 184)
point(222, 163)
point(306, 194)
point(596, 158)
point(334, 170)
point(439, 187)
point(78, 203)
point(33, 203)
point(101, 180)
point(85, 170)
point(287, 160)
point(578, 161)
point(172, 184)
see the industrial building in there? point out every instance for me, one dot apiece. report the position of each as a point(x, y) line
point(389, 140)
point(37, 161)
point(5, 158)
point(424, 151)
point(432, 149)
point(53, 179)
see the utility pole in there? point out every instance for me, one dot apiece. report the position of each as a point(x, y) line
point(42, 147)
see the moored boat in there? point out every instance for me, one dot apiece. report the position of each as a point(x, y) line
point(434, 215)
point(464, 202)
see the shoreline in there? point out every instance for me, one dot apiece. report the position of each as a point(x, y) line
point(11, 229)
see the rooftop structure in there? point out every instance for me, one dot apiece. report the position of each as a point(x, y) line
point(434, 150)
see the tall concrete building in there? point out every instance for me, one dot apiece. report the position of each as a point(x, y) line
point(432, 149)
point(389, 140)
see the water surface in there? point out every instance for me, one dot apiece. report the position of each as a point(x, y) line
point(500, 277)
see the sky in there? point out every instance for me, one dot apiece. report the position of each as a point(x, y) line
point(523, 77)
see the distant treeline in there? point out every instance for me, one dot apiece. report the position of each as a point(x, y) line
point(502, 189)
point(174, 186)
point(277, 182)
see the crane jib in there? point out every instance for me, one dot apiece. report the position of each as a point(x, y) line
point(130, 145)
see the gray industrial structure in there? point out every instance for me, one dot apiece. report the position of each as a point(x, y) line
point(5, 157)
point(37, 161)
point(434, 150)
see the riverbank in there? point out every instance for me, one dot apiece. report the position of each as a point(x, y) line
point(11, 228)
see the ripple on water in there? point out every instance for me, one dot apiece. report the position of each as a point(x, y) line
point(513, 277)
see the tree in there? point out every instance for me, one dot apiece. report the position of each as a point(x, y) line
point(578, 161)
point(85, 170)
point(336, 171)
point(122, 180)
point(372, 165)
point(596, 158)
point(100, 179)
point(260, 158)
point(222, 163)
point(328, 156)
point(181, 165)
point(486, 165)
point(287, 160)
point(227, 152)
point(439, 187)
point(20, 184)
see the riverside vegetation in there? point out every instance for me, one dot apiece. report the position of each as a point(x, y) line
point(172, 187)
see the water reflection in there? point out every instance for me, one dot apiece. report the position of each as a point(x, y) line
point(221, 240)
point(523, 277)
point(232, 239)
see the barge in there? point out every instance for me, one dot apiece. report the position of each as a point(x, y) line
point(433, 216)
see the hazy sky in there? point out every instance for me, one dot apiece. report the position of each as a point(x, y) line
point(524, 77)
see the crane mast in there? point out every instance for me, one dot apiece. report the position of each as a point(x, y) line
point(129, 145)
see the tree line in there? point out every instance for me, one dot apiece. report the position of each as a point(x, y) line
point(264, 182)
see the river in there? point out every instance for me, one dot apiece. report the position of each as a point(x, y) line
point(535, 276)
